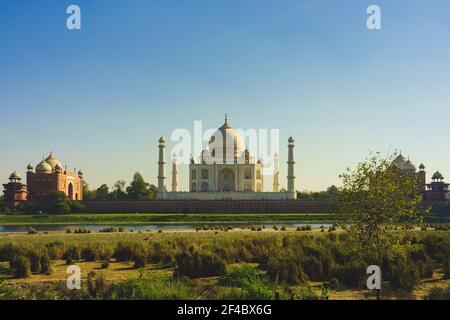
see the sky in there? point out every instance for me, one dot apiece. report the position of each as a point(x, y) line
point(100, 97)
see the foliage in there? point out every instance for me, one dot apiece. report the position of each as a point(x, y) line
point(374, 199)
point(21, 267)
point(329, 194)
point(196, 264)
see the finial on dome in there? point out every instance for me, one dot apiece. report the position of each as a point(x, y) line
point(226, 118)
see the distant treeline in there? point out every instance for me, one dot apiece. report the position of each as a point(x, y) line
point(137, 190)
point(329, 194)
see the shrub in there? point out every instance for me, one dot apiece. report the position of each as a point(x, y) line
point(105, 265)
point(253, 285)
point(76, 206)
point(21, 267)
point(97, 287)
point(437, 293)
point(69, 261)
point(34, 258)
point(446, 267)
point(195, 264)
point(404, 275)
point(55, 249)
point(32, 230)
point(9, 251)
point(89, 254)
point(46, 266)
point(287, 269)
point(73, 252)
point(139, 261)
point(126, 252)
point(154, 288)
point(351, 274)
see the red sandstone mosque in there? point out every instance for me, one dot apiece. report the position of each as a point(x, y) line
point(49, 176)
point(437, 190)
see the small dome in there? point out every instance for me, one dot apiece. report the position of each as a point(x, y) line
point(437, 176)
point(30, 167)
point(52, 161)
point(399, 161)
point(291, 140)
point(15, 176)
point(44, 167)
point(409, 166)
point(161, 140)
point(422, 166)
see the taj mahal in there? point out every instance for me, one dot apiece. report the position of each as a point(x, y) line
point(226, 171)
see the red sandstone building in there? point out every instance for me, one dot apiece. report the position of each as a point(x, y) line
point(437, 190)
point(49, 176)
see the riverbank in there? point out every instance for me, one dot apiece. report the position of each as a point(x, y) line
point(174, 219)
point(161, 219)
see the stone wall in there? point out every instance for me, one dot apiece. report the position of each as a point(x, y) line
point(209, 206)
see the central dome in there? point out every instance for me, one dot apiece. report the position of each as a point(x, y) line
point(226, 143)
point(53, 162)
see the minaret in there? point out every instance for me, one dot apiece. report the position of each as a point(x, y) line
point(161, 166)
point(276, 173)
point(174, 174)
point(290, 163)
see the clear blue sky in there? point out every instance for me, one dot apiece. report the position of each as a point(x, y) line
point(100, 97)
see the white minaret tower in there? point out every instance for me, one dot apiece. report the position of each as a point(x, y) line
point(174, 174)
point(290, 163)
point(161, 166)
point(276, 173)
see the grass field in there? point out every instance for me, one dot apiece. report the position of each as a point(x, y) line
point(155, 218)
point(225, 243)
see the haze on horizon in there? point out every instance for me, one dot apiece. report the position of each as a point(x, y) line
point(100, 97)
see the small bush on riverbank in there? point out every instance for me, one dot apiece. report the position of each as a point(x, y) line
point(194, 264)
point(21, 267)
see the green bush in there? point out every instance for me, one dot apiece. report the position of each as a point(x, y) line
point(9, 251)
point(89, 254)
point(194, 264)
point(446, 267)
point(126, 252)
point(253, 285)
point(21, 267)
point(154, 288)
point(404, 275)
point(288, 269)
point(351, 274)
point(105, 264)
point(35, 261)
point(97, 286)
point(437, 293)
point(73, 252)
point(46, 266)
point(56, 249)
point(139, 261)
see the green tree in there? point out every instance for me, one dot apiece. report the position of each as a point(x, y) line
point(138, 188)
point(152, 191)
point(87, 193)
point(119, 190)
point(375, 198)
point(102, 193)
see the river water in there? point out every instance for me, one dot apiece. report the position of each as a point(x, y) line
point(149, 227)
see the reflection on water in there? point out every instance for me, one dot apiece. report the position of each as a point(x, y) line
point(150, 227)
